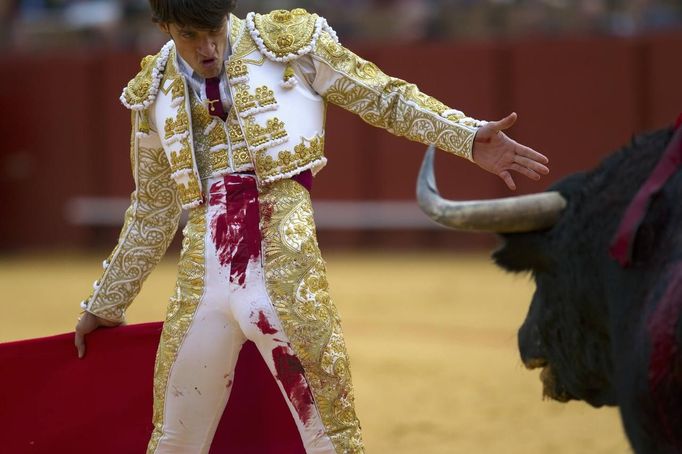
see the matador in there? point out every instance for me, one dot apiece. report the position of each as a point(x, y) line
point(228, 124)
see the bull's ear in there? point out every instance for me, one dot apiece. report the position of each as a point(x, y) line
point(519, 252)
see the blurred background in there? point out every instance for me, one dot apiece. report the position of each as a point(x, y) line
point(583, 75)
point(430, 322)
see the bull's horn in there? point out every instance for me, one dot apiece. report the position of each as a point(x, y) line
point(511, 214)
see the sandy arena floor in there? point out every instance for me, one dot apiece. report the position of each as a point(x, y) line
point(432, 340)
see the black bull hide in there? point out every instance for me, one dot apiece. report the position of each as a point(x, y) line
point(601, 333)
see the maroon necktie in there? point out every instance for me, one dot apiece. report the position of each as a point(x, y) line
point(215, 105)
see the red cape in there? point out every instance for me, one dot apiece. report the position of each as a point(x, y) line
point(52, 402)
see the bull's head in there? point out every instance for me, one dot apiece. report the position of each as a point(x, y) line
point(566, 332)
point(600, 333)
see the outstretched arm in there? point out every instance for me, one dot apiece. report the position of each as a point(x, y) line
point(349, 81)
point(150, 225)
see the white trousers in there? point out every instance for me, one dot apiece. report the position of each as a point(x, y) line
point(235, 307)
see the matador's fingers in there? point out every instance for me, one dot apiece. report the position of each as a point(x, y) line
point(80, 344)
point(529, 153)
point(525, 171)
point(508, 180)
point(532, 165)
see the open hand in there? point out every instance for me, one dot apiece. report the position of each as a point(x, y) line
point(87, 324)
point(495, 152)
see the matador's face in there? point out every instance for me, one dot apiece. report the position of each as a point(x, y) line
point(202, 49)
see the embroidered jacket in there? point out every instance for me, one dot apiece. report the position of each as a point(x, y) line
point(278, 121)
point(284, 68)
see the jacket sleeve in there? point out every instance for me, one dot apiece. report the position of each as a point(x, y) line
point(357, 85)
point(149, 226)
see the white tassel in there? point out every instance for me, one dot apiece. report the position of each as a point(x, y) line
point(192, 204)
point(289, 83)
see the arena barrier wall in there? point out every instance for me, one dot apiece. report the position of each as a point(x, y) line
point(64, 151)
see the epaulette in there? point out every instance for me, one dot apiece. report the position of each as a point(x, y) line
point(286, 35)
point(142, 89)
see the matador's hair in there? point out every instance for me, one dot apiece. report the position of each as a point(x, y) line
point(202, 14)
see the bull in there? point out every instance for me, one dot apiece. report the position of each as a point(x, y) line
point(601, 333)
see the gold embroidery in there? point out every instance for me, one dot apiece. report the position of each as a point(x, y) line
point(182, 160)
point(288, 73)
point(189, 192)
point(241, 159)
point(176, 87)
point(146, 61)
point(286, 32)
point(149, 226)
point(241, 39)
point(258, 62)
point(236, 68)
point(305, 152)
point(137, 90)
point(219, 160)
point(236, 134)
point(155, 71)
point(178, 126)
point(411, 92)
point(181, 310)
point(235, 28)
point(400, 118)
point(391, 103)
point(259, 137)
point(296, 282)
point(200, 121)
point(171, 72)
point(348, 63)
point(217, 136)
point(200, 116)
point(246, 103)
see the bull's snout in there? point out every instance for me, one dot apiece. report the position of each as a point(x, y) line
point(530, 347)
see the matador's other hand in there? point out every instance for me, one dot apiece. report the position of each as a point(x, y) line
point(87, 324)
point(495, 152)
